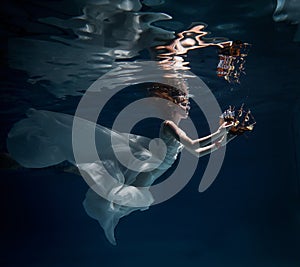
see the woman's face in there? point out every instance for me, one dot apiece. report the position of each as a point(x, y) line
point(182, 108)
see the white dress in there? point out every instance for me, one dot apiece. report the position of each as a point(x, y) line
point(45, 139)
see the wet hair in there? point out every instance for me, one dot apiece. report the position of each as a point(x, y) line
point(167, 92)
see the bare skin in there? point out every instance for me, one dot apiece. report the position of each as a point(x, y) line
point(201, 146)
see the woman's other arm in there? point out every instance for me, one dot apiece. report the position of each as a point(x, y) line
point(198, 146)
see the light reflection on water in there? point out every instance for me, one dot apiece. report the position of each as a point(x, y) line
point(75, 50)
point(78, 49)
point(288, 10)
point(231, 54)
point(262, 220)
point(173, 55)
point(89, 45)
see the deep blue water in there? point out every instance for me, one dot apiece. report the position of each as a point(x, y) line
point(250, 216)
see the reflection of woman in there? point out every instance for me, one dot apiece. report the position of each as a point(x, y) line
point(45, 139)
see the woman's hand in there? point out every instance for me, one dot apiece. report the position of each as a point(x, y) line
point(218, 144)
point(221, 141)
point(224, 140)
point(225, 127)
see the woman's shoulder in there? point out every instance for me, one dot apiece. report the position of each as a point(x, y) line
point(168, 124)
point(169, 127)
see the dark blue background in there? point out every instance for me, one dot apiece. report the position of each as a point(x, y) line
point(250, 216)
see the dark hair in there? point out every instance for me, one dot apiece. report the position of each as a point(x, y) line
point(166, 91)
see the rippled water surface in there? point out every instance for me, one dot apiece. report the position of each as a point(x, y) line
point(52, 51)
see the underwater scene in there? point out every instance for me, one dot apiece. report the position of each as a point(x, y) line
point(150, 133)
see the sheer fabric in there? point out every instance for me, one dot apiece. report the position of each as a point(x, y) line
point(45, 139)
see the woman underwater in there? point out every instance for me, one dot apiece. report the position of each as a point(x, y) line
point(45, 139)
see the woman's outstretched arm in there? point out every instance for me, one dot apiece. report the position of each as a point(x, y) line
point(198, 146)
point(209, 139)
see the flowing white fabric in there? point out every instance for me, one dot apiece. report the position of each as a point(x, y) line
point(45, 139)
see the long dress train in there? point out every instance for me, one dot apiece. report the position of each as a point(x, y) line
point(45, 139)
